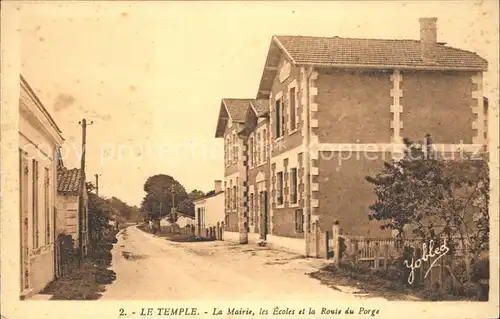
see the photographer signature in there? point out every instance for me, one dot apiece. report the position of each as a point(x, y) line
point(439, 252)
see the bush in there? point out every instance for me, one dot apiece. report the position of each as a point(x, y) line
point(481, 268)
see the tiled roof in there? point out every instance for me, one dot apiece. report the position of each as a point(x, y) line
point(68, 181)
point(237, 108)
point(261, 107)
point(211, 193)
point(375, 52)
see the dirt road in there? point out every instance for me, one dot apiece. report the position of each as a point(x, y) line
point(149, 267)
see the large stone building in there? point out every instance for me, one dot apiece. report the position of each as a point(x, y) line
point(328, 112)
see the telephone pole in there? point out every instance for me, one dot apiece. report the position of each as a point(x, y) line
point(97, 184)
point(81, 209)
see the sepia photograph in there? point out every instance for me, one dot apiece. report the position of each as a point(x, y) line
point(242, 159)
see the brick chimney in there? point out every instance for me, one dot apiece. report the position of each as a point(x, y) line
point(428, 38)
point(218, 186)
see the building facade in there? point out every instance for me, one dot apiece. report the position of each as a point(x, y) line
point(337, 108)
point(39, 139)
point(68, 197)
point(209, 209)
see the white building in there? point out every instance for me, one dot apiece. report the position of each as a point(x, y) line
point(183, 220)
point(39, 138)
point(209, 209)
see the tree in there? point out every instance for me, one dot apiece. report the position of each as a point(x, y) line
point(162, 193)
point(90, 187)
point(99, 212)
point(435, 198)
point(187, 205)
point(124, 210)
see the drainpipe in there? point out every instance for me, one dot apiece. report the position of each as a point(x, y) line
point(307, 162)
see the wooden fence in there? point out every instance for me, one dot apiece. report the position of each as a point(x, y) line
point(425, 264)
point(213, 232)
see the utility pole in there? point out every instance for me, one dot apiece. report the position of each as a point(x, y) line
point(97, 184)
point(81, 202)
point(172, 191)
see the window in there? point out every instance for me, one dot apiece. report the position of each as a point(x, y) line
point(35, 204)
point(226, 151)
point(279, 116)
point(293, 117)
point(279, 188)
point(299, 221)
point(264, 136)
point(257, 141)
point(47, 206)
point(250, 156)
point(256, 206)
point(293, 186)
point(235, 199)
point(228, 200)
point(235, 149)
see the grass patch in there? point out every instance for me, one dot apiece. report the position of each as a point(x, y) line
point(368, 283)
point(389, 285)
point(86, 282)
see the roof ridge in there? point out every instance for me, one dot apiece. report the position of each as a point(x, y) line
point(339, 37)
point(239, 99)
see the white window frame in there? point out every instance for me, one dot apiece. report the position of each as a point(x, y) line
point(281, 187)
point(266, 144)
point(292, 85)
point(234, 160)
point(279, 97)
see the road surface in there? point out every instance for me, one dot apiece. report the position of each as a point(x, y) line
point(149, 267)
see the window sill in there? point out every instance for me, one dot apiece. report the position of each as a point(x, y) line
point(279, 138)
point(293, 132)
point(280, 206)
point(295, 205)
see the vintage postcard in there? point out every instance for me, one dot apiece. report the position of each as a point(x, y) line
point(331, 159)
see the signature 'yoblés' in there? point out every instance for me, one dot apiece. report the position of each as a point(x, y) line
point(439, 252)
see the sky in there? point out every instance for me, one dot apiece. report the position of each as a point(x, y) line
point(151, 75)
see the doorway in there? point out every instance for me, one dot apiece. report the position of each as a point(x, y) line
point(263, 215)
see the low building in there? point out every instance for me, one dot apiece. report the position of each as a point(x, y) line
point(209, 209)
point(68, 197)
point(182, 221)
point(39, 138)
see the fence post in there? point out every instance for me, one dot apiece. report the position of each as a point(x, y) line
point(376, 258)
point(326, 244)
point(355, 251)
point(386, 256)
point(336, 242)
point(316, 239)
